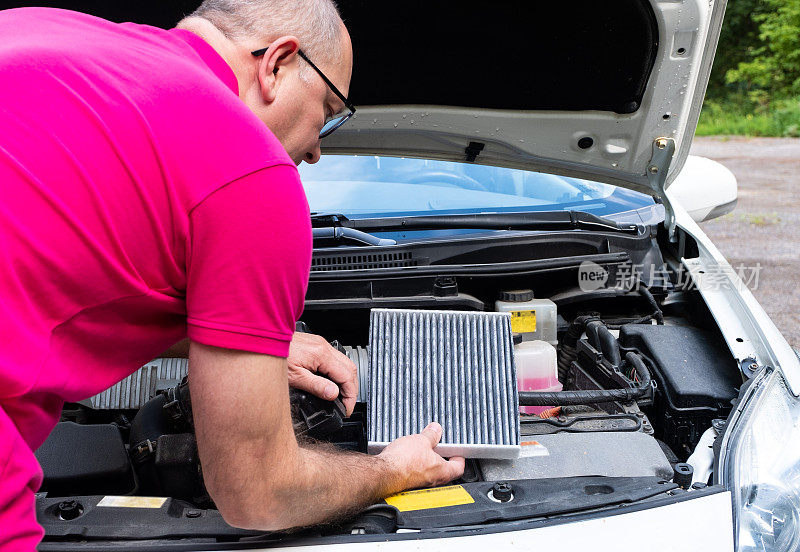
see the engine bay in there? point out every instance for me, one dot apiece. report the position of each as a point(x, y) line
point(624, 384)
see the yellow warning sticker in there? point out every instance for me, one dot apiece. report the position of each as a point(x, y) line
point(422, 499)
point(523, 321)
point(132, 501)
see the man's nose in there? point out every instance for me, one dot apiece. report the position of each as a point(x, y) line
point(313, 155)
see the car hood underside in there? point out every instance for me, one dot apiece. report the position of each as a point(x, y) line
point(577, 88)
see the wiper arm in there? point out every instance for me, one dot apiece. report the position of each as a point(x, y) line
point(541, 220)
point(332, 227)
point(338, 233)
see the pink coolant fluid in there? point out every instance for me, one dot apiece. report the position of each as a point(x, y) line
point(537, 370)
point(537, 384)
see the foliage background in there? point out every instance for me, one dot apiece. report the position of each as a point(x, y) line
point(755, 82)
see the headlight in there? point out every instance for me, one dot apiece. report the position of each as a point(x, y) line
point(762, 469)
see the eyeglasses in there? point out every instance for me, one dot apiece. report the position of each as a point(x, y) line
point(335, 121)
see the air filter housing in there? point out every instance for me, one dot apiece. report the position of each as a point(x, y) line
point(452, 367)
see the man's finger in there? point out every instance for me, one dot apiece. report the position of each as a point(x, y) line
point(349, 404)
point(341, 370)
point(311, 353)
point(316, 385)
point(456, 464)
point(433, 432)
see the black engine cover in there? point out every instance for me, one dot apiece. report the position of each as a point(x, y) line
point(697, 379)
point(85, 459)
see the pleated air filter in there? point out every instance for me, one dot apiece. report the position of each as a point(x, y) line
point(135, 390)
point(455, 368)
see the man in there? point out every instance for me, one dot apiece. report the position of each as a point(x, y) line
point(148, 192)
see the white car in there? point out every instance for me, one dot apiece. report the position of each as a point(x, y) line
point(501, 147)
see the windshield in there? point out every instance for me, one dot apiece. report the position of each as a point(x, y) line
point(378, 186)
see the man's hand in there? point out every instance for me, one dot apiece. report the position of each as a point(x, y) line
point(254, 469)
point(416, 462)
point(310, 355)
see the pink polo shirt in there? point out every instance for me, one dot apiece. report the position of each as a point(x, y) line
point(140, 202)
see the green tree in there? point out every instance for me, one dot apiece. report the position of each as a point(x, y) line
point(738, 39)
point(773, 67)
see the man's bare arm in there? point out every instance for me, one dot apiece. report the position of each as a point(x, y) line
point(314, 366)
point(258, 475)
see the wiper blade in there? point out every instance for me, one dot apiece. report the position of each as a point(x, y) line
point(541, 220)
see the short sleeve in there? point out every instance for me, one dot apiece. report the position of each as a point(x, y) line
point(248, 262)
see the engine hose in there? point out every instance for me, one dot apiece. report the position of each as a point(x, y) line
point(150, 422)
point(617, 323)
point(573, 409)
point(566, 348)
point(169, 411)
point(592, 396)
point(657, 314)
point(608, 344)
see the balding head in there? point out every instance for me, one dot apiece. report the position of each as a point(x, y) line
point(316, 23)
point(260, 40)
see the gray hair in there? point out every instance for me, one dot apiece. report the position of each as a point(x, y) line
point(316, 23)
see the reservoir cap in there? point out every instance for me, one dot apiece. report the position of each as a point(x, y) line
point(517, 295)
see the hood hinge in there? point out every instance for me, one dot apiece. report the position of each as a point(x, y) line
point(657, 170)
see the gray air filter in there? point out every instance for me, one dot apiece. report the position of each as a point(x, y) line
point(138, 388)
point(455, 368)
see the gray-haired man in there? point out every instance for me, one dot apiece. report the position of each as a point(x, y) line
point(143, 180)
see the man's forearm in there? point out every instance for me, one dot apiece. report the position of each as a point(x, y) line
point(319, 483)
point(331, 484)
point(316, 483)
point(255, 470)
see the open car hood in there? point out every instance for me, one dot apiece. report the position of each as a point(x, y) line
point(608, 91)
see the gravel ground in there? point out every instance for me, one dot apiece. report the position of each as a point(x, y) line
point(765, 226)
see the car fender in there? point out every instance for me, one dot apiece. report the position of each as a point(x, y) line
point(750, 334)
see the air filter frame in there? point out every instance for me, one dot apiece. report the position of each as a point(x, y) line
point(453, 367)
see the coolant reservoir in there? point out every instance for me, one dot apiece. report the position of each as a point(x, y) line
point(531, 318)
point(537, 370)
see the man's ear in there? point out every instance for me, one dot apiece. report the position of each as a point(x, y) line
point(281, 54)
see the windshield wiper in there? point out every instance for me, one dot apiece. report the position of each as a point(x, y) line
point(329, 227)
point(339, 233)
point(540, 220)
